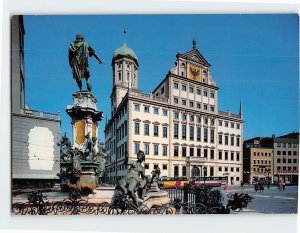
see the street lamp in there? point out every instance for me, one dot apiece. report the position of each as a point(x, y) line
point(268, 178)
point(205, 170)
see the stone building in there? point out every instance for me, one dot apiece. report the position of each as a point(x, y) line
point(286, 158)
point(258, 160)
point(273, 157)
point(35, 155)
point(178, 125)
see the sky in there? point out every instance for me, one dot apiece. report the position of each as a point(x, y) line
point(254, 58)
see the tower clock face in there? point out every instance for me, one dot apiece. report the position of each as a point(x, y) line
point(194, 73)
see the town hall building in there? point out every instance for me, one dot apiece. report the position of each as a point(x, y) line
point(178, 125)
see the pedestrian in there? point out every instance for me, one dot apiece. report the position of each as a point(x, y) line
point(283, 186)
point(261, 187)
point(242, 185)
point(226, 187)
point(280, 185)
point(255, 186)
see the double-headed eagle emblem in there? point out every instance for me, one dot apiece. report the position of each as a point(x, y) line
point(194, 71)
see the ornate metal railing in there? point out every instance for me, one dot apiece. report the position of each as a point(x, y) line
point(200, 200)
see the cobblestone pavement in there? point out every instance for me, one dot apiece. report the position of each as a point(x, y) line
point(270, 201)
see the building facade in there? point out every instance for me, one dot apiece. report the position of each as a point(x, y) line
point(178, 125)
point(286, 158)
point(258, 160)
point(273, 158)
point(35, 154)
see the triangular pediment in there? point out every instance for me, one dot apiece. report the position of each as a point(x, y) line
point(195, 56)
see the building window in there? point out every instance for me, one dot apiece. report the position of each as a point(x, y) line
point(278, 144)
point(183, 170)
point(278, 152)
point(226, 169)
point(231, 169)
point(147, 109)
point(191, 104)
point(198, 92)
point(212, 154)
point(146, 129)
point(191, 132)
point(183, 87)
point(226, 140)
point(294, 152)
point(184, 117)
point(284, 152)
point(212, 136)
point(147, 149)
point(146, 166)
point(176, 131)
point(165, 166)
point(183, 131)
point(155, 130)
point(289, 152)
point(183, 102)
point(191, 90)
point(176, 151)
point(226, 155)
point(205, 134)
point(237, 141)
point(220, 155)
point(183, 151)
point(165, 150)
point(137, 107)
point(284, 160)
point(136, 128)
point(191, 151)
point(162, 90)
point(176, 172)
point(220, 139)
point(176, 116)
point(175, 85)
point(205, 93)
point(165, 113)
point(212, 108)
point(212, 95)
point(198, 134)
point(198, 106)
point(205, 153)
point(220, 169)
point(155, 149)
point(205, 106)
point(237, 156)
point(231, 156)
point(226, 124)
point(294, 160)
point(175, 100)
point(232, 125)
point(136, 147)
point(165, 132)
point(238, 126)
point(156, 112)
point(198, 152)
point(220, 123)
point(232, 141)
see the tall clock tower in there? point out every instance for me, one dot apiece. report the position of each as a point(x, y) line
point(125, 74)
